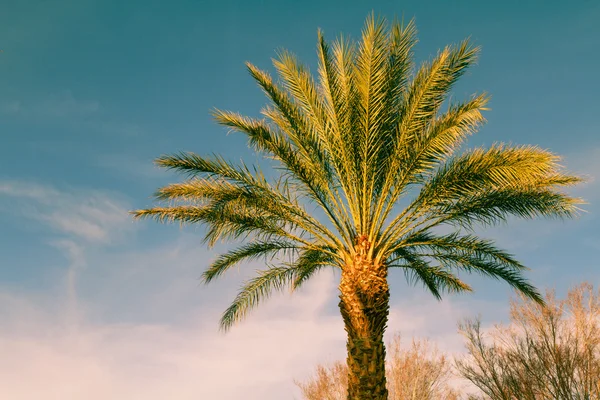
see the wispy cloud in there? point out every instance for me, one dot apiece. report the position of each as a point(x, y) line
point(257, 360)
point(92, 216)
point(27, 190)
point(282, 340)
point(65, 104)
point(10, 107)
point(57, 105)
point(76, 222)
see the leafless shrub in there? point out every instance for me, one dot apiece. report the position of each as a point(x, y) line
point(550, 352)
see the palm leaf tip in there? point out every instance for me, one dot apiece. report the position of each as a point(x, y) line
point(141, 214)
point(167, 161)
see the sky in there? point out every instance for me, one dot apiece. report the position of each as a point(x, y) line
point(94, 305)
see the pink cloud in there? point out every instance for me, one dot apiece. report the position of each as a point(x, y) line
point(45, 354)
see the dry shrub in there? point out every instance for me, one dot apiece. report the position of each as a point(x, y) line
point(550, 352)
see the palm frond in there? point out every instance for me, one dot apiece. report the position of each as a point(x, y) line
point(468, 253)
point(256, 290)
point(219, 195)
point(471, 263)
point(431, 86)
point(435, 278)
point(301, 169)
point(193, 165)
point(224, 223)
point(299, 83)
point(403, 38)
point(273, 279)
point(303, 131)
point(399, 67)
point(246, 252)
point(488, 185)
point(494, 206)
point(182, 214)
point(237, 191)
point(442, 138)
point(343, 54)
point(337, 115)
point(371, 83)
point(298, 127)
point(427, 93)
point(310, 261)
point(446, 133)
point(466, 244)
point(200, 190)
point(497, 167)
point(419, 136)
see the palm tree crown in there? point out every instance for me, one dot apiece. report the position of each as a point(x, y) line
point(370, 130)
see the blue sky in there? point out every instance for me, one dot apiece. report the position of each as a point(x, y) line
point(93, 91)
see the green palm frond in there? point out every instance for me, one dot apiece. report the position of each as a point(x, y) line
point(224, 223)
point(345, 95)
point(371, 82)
point(338, 115)
point(435, 278)
point(489, 268)
point(447, 132)
point(468, 244)
point(432, 85)
point(497, 167)
point(423, 101)
point(495, 206)
point(246, 252)
point(239, 195)
point(298, 128)
point(262, 136)
point(466, 253)
point(299, 83)
point(182, 214)
point(194, 165)
point(403, 38)
point(256, 290)
point(291, 119)
point(440, 140)
point(486, 186)
point(398, 69)
point(309, 262)
point(273, 279)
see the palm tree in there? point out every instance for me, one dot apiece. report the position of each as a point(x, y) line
point(364, 135)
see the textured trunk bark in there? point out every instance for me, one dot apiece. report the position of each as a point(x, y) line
point(364, 305)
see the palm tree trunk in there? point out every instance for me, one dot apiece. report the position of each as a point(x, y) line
point(364, 305)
